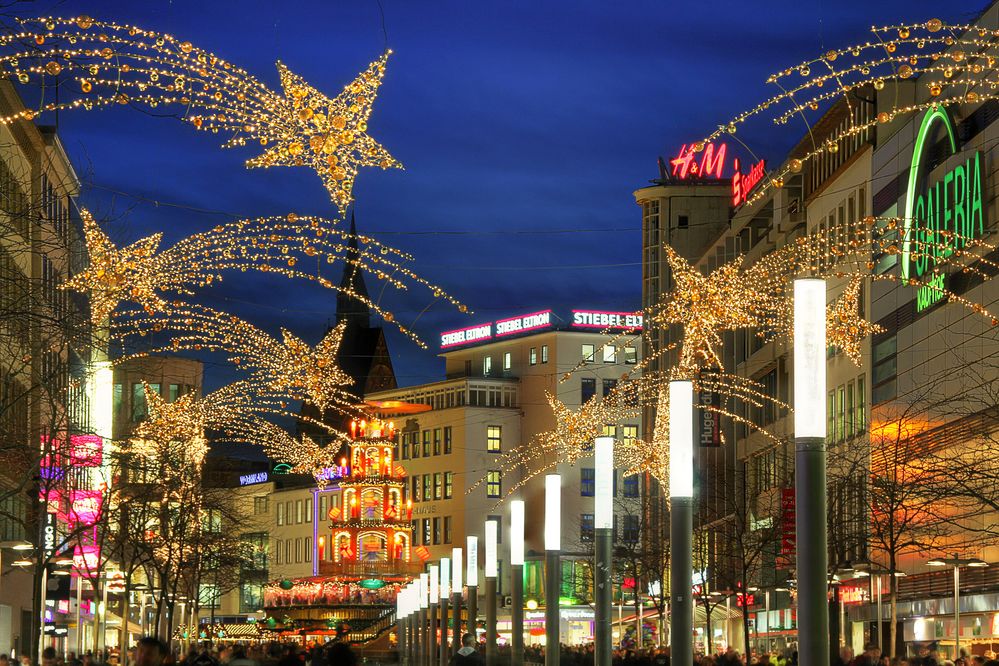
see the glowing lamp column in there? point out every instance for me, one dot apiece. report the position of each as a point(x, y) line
point(553, 566)
point(472, 582)
point(445, 655)
point(681, 520)
point(603, 527)
point(401, 624)
point(435, 597)
point(456, 565)
point(423, 639)
point(517, 582)
point(491, 571)
point(810, 470)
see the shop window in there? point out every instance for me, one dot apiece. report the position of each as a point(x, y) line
point(494, 487)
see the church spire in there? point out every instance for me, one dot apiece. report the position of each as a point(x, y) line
point(349, 308)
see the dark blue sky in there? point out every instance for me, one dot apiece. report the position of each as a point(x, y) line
point(517, 122)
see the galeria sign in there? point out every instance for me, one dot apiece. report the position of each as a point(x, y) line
point(940, 216)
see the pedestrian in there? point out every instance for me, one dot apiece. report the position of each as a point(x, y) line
point(150, 651)
point(467, 654)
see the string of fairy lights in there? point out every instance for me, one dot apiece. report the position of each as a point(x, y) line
point(115, 64)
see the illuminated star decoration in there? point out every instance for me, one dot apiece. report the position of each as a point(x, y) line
point(288, 366)
point(110, 64)
point(141, 274)
point(845, 328)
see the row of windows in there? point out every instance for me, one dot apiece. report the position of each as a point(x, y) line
point(139, 409)
point(432, 442)
point(293, 551)
point(588, 483)
point(588, 388)
point(846, 411)
point(432, 531)
point(439, 485)
point(294, 512)
point(608, 354)
point(628, 535)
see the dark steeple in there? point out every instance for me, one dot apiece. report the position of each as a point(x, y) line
point(348, 308)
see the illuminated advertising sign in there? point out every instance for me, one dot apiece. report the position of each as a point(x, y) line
point(49, 534)
point(87, 558)
point(601, 320)
point(85, 450)
point(528, 322)
point(711, 165)
point(941, 217)
point(251, 479)
point(743, 184)
point(464, 336)
point(85, 507)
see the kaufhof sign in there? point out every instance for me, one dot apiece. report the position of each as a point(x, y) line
point(941, 215)
point(596, 320)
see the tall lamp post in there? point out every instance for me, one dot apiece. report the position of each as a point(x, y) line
point(681, 521)
point(435, 598)
point(456, 565)
point(810, 469)
point(472, 582)
point(491, 572)
point(400, 623)
point(875, 574)
point(553, 566)
point(603, 526)
point(423, 642)
point(517, 583)
point(445, 594)
point(957, 562)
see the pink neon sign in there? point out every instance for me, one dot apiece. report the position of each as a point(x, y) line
point(528, 322)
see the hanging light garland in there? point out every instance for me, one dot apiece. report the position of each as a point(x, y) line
point(115, 64)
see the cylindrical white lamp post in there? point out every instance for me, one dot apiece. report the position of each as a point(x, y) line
point(445, 652)
point(472, 583)
point(457, 562)
point(517, 582)
point(603, 526)
point(435, 598)
point(681, 521)
point(810, 470)
point(401, 624)
point(424, 642)
point(553, 566)
point(491, 572)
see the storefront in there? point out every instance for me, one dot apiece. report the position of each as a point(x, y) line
point(575, 626)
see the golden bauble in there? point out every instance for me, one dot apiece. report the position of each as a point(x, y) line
point(934, 25)
point(879, 84)
point(186, 47)
point(831, 55)
point(883, 117)
point(106, 53)
point(305, 113)
point(904, 72)
point(295, 148)
point(794, 165)
point(316, 143)
point(53, 68)
point(903, 33)
point(39, 39)
point(339, 122)
point(972, 96)
point(804, 70)
point(84, 22)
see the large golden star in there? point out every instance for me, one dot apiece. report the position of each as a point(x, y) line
point(845, 328)
point(313, 372)
point(117, 274)
point(329, 135)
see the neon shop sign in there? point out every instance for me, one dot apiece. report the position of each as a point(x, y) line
point(686, 166)
point(942, 216)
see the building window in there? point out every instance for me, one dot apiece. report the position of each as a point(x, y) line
point(630, 529)
point(138, 402)
point(448, 484)
point(487, 365)
point(587, 481)
point(277, 551)
point(610, 354)
point(861, 417)
point(288, 544)
point(586, 527)
point(280, 513)
point(588, 352)
point(631, 486)
point(415, 438)
point(588, 389)
point(544, 353)
point(883, 374)
point(841, 415)
point(608, 386)
point(308, 549)
point(437, 531)
point(494, 487)
point(447, 439)
point(494, 439)
point(416, 487)
point(629, 433)
point(426, 443)
point(426, 532)
point(534, 356)
point(323, 502)
point(631, 355)
point(437, 441)
point(507, 361)
point(404, 447)
point(851, 407)
point(682, 221)
point(308, 510)
point(259, 506)
point(438, 485)
point(428, 489)
point(174, 392)
point(447, 528)
point(298, 512)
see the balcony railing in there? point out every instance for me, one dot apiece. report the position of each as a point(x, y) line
point(374, 569)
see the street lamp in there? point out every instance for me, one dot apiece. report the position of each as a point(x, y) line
point(957, 563)
point(423, 643)
point(809, 328)
point(472, 582)
point(603, 525)
point(435, 597)
point(553, 566)
point(681, 521)
point(445, 593)
point(517, 582)
point(491, 572)
point(875, 573)
point(456, 564)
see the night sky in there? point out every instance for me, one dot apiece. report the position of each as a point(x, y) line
point(524, 128)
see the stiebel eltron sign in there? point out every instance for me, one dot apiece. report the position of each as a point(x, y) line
point(941, 216)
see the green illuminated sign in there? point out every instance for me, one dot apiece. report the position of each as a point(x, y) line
point(372, 584)
point(943, 216)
